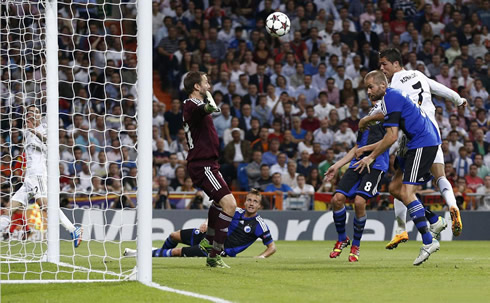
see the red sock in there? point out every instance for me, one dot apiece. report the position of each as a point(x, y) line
point(221, 232)
point(213, 214)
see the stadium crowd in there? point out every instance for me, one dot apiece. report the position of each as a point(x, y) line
point(290, 106)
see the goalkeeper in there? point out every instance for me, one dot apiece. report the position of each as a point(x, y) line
point(245, 228)
point(36, 172)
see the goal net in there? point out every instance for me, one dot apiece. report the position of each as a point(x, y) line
point(69, 134)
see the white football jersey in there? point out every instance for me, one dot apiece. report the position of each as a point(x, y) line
point(416, 86)
point(35, 151)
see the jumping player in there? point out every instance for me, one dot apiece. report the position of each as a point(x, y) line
point(423, 141)
point(245, 228)
point(202, 164)
point(36, 172)
point(419, 88)
point(363, 186)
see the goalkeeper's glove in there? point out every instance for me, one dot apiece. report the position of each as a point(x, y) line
point(211, 107)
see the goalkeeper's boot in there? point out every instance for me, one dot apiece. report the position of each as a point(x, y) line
point(339, 245)
point(457, 223)
point(354, 253)
point(436, 228)
point(128, 252)
point(426, 251)
point(216, 261)
point(397, 239)
point(205, 246)
point(76, 235)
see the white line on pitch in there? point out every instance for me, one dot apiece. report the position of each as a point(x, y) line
point(187, 293)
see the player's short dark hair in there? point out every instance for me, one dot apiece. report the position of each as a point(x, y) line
point(392, 55)
point(190, 80)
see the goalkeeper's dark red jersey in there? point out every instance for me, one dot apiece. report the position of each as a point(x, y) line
point(201, 135)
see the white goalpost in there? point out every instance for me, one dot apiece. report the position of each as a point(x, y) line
point(87, 68)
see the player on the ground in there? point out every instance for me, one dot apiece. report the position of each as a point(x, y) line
point(202, 164)
point(363, 186)
point(419, 88)
point(245, 228)
point(35, 137)
point(423, 141)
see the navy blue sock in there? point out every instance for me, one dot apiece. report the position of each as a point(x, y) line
point(169, 243)
point(359, 224)
point(339, 217)
point(160, 252)
point(433, 218)
point(417, 213)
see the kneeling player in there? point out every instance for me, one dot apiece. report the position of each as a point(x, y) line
point(361, 185)
point(245, 228)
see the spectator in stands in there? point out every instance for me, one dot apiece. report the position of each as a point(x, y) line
point(278, 186)
point(304, 165)
point(460, 191)
point(473, 181)
point(270, 157)
point(462, 162)
point(345, 135)
point(253, 168)
point(281, 165)
point(289, 176)
point(173, 119)
point(168, 169)
point(310, 123)
point(180, 175)
point(236, 152)
point(265, 178)
point(298, 78)
point(306, 144)
point(314, 179)
point(483, 201)
point(483, 170)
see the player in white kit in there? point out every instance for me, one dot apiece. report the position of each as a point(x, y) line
point(419, 88)
point(35, 185)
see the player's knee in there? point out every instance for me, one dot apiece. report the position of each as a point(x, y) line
point(394, 188)
point(359, 203)
point(228, 204)
point(175, 236)
point(177, 252)
point(338, 201)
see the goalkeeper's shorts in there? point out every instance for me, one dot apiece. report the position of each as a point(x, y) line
point(206, 175)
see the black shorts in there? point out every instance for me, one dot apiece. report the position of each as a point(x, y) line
point(365, 184)
point(191, 236)
point(417, 165)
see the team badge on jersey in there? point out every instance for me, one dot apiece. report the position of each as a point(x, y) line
point(247, 229)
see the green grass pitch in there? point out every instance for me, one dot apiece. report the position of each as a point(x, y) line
point(300, 271)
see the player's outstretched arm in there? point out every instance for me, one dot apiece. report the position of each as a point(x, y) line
point(367, 148)
point(332, 170)
point(447, 93)
point(390, 137)
point(271, 249)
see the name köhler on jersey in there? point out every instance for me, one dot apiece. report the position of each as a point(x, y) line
point(406, 78)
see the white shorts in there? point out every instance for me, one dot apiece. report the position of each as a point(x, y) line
point(439, 156)
point(33, 187)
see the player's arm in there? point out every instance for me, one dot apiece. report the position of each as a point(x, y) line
point(390, 137)
point(269, 251)
point(332, 170)
point(377, 113)
point(31, 128)
point(447, 93)
point(367, 148)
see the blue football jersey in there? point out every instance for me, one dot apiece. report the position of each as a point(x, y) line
point(400, 111)
point(244, 231)
point(370, 136)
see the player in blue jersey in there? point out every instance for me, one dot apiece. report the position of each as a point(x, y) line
point(363, 186)
point(423, 140)
point(245, 228)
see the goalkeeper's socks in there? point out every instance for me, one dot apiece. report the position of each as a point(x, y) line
point(221, 231)
point(359, 224)
point(213, 214)
point(160, 252)
point(339, 217)
point(169, 243)
point(431, 217)
point(417, 213)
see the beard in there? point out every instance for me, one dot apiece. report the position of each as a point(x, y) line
point(376, 96)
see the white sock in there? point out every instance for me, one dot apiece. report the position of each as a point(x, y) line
point(66, 223)
point(447, 192)
point(400, 215)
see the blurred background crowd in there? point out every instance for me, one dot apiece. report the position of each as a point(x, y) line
point(290, 106)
